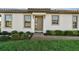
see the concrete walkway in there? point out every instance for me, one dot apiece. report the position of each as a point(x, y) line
point(46, 37)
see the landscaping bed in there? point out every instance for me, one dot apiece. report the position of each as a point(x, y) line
point(20, 41)
point(62, 33)
point(14, 35)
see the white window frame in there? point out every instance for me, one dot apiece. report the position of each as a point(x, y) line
point(27, 21)
point(55, 20)
point(75, 23)
point(8, 20)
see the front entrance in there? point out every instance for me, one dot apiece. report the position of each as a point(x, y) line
point(38, 23)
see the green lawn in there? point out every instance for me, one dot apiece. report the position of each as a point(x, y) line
point(40, 45)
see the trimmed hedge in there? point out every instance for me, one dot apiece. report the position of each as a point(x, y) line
point(50, 32)
point(21, 35)
point(62, 33)
point(14, 35)
point(29, 34)
point(69, 33)
point(5, 38)
point(5, 33)
point(14, 32)
point(59, 32)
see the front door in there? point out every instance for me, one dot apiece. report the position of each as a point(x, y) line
point(38, 23)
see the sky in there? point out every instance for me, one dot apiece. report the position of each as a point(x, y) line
point(71, 8)
point(39, 3)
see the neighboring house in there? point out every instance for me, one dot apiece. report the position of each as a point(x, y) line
point(39, 19)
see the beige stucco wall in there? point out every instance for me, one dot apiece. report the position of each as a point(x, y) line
point(17, 23)
point(65, 22)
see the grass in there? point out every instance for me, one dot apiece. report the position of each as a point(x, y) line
point(40, 45)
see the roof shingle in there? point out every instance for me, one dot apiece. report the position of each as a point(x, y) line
point(44, 10)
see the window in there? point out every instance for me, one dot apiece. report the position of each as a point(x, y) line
point(75, 20)
point(8, 20)
point(55, 19)
point(27, 21)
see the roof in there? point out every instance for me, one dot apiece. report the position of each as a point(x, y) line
point(44, 10)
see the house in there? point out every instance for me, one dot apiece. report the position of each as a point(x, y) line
point(0, 21)
point(39, 19)
point(0, 24)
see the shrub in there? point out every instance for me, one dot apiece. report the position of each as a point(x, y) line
point(5, 38)
point(28, 32)
point(0, 33)
point(5, 33)
point(22, 36)
point(14, 32)
point(56, 32)
point(15, 36)
point(75, 33)
point(21, 33)
point(28, 35)
point(18, 36)
point(59, 32)
point(49, 32)
point(68, 33)
point(78, 32)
